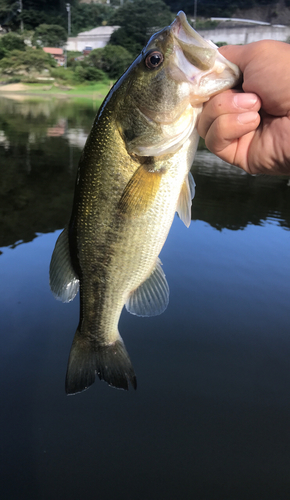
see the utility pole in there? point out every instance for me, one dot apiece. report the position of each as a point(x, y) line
point(20, 11)
point(195, 9)
point(68, 18)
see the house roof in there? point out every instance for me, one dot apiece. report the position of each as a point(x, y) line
point(100, 30)
point(53, 51)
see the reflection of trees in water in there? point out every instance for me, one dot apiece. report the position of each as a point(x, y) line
point(40, 145)
point(227, 197)
point(22, 120)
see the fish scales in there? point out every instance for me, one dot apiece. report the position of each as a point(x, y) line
point(133, 175)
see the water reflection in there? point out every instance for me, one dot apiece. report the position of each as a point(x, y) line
point(40, 146)
point(39, 151)
point(210, 418)
point(227, 197)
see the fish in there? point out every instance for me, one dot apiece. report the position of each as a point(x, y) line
point(133, 176)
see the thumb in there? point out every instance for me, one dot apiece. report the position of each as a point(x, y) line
point(263, 65)
point(236, 54)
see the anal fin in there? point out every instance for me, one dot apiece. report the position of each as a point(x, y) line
point(184, 203)
point(152, 296)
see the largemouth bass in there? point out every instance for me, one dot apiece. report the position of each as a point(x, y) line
point(133, 175)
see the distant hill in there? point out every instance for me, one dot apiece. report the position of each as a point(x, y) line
point(274, 13)
point(271, 11)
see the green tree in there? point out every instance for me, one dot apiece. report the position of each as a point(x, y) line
point(9, 13)
point(34, 13)
point(211, 8)
point(30, 60)
point(33, 18)
point(52, 5)
point(12, 41)
point(72, 58)
point(112, 59)
point(49, 35)
point(137, 21)
point(89, 73)
point(86, 16)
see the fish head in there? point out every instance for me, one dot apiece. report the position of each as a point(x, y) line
point(176, 72)
point(199, 62)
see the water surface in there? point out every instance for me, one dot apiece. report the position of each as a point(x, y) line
point(210, 418)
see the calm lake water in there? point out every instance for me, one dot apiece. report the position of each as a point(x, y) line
point(210, 418)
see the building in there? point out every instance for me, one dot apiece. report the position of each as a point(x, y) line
point(241, 31)
point(89, 40)
point(57, 54)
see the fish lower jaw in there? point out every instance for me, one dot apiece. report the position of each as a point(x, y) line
point(197, 100)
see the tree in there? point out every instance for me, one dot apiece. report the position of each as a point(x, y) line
point(86, 16)
point(89, 73)
point(9, 13)
point(112, 59)
point(12, 41)
point(138, 20)
point(49, 35)
point(211, 8)
point(27, 61)
point(34, 12)
point(33, 18)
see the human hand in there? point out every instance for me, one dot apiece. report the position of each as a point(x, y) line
point(251, 129)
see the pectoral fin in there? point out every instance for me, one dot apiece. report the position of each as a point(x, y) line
point(184, 203)
point(152, 296)
point(63, 281)
point(140, 191)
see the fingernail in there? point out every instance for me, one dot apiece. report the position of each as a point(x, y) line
point(249, 117)
point(245, 101)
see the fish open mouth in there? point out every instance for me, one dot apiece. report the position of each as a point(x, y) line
point(185, 33)
point(198, 58)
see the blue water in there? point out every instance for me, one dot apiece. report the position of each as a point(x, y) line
point(210, 417)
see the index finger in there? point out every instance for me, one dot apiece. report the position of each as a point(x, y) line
point(226, 103)
point(263, 66)
point(236, 54)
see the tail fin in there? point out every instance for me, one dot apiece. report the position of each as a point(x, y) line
point(110, 362)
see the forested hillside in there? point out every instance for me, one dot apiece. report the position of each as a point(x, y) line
point(272, 11)
point(36, 12)
point(33, 24)
point(87, 15)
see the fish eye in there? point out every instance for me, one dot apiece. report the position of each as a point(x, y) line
point(154, 59)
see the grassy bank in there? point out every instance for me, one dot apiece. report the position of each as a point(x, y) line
point(96, 91)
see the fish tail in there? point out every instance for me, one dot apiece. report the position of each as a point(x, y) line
point(110, 362)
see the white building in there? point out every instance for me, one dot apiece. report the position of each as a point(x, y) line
point(93, 39)
point(242, 31)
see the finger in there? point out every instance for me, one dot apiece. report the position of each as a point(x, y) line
point(263, 66)
point(236, 54)
point(230, 135)
point(228, 102)
point(245, 55)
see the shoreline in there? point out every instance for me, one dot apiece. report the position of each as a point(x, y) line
point(21, 90)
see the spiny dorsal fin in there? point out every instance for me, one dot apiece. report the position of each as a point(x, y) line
point(152, 296)
point(184, 203)
point(63, 281)
point(140, 191)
